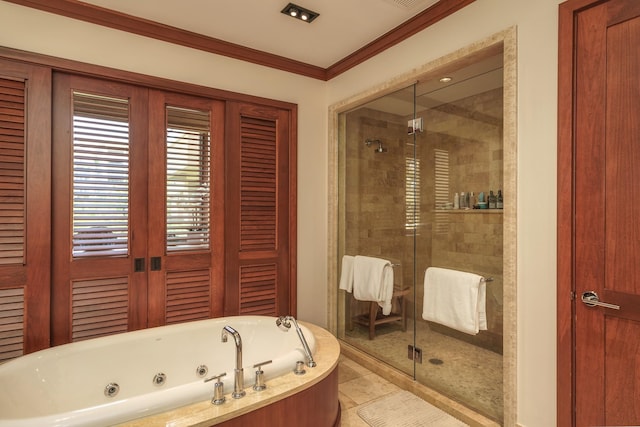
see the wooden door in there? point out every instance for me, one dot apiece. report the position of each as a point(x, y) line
point(186, 208)
point(25, 226)
point(260, 210)
point(599, 218)
point(99, 208)
point(138, 208)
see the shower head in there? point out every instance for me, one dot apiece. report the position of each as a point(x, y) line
point(379, 149)
point(283, 323)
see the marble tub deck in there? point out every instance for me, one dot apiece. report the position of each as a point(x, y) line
point(204, 414)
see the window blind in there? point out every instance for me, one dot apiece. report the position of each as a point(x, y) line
point(100, 175)
point(412, 193)
point(188, 179)
point(442, 195)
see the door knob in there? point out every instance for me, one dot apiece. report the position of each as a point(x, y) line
point(591, 299)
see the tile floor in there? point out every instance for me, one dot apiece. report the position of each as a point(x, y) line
point(357, 386)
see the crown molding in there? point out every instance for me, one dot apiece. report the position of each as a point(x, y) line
point(100, 16)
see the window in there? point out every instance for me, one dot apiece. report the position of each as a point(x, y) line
point(188, 179)
point(100, 175)
point(442, 196)
point(412, 193)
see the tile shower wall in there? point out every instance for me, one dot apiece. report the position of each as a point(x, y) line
point(470, 131)
point(375, 190)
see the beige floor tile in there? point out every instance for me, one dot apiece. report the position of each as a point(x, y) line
point(366, 388)
point(347, 372)
point(350, 418)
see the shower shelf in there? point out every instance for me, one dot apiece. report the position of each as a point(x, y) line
point(470, 211)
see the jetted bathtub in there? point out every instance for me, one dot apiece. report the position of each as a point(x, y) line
point(111, 380)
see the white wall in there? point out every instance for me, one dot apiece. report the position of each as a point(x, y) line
point(536, 22)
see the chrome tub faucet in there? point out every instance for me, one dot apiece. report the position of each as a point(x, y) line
point(238, 387)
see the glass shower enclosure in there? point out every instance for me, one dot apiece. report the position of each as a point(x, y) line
point(420, 185)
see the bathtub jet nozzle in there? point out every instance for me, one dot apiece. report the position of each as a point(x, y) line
point(284, 323)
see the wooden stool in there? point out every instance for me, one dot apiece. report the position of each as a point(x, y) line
point(375, 317)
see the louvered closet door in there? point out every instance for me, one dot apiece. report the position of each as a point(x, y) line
point(186, 215)
point(25, 127)
point(138, 209)
point(99, 208)
point(260, 201)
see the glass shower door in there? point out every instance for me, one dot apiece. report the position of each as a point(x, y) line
point(380, 215)
point(460, 152)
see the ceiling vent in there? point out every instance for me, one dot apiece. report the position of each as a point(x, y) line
point(412, 4)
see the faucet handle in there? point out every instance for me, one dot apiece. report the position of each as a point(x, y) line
point(259, 384)
point(259, 365)
point(218, 389)
point(215, 377)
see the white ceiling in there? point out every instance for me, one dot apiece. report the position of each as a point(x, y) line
point(343, 27)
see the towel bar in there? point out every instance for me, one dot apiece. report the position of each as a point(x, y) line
point(487, 279)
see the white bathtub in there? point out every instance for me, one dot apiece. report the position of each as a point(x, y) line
point(65, 385)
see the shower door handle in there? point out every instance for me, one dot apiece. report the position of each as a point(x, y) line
point(591, 299)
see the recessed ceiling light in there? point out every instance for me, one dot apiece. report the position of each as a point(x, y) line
point(445, 79)
point(299, 12)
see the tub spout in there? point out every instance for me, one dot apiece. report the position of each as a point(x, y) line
point(284, 323)
point(238, 387)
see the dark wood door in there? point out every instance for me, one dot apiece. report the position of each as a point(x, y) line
point(25, 226)
point(138, 208)
point(99, 279)
point(260, 211)
point(604, 146)
point(186, 208)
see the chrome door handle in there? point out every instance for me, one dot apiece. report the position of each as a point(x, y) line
point(591, 299)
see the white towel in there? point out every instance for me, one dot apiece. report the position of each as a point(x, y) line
point(373, 281)
point(455, 299)
point(346, 276)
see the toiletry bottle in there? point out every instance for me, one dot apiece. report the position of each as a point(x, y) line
point(492, 199)
point(456, 201)
point(500, 202)
point(463, 200)
point(472, 200)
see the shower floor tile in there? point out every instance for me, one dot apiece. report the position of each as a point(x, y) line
point(461, 371)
